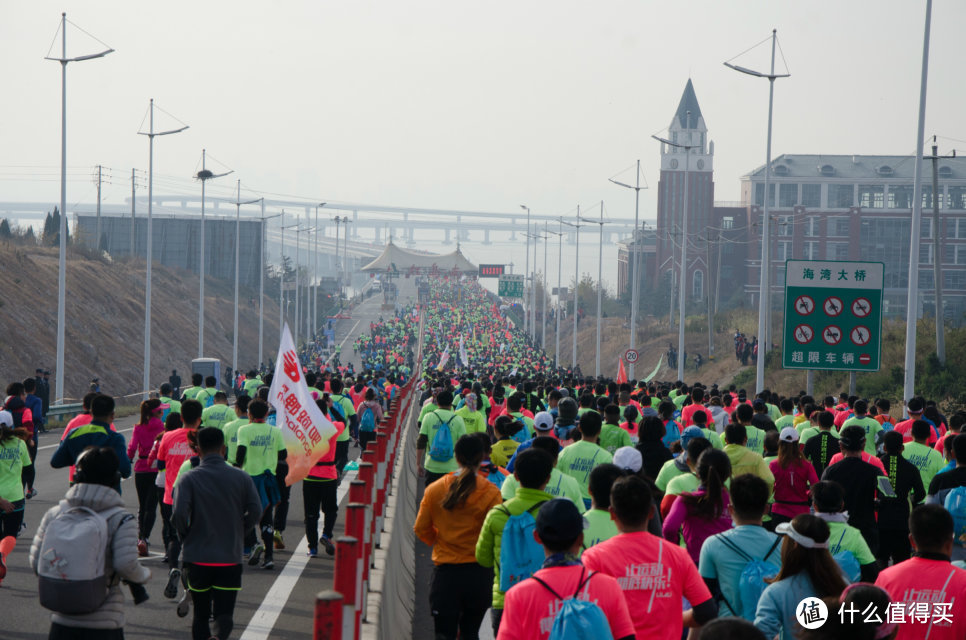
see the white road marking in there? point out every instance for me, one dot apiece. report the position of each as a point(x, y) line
point(261, 625)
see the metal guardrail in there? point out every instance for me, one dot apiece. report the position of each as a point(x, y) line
point(65, 411)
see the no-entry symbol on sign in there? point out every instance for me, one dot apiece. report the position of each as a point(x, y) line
point(804, 305)
point(803, 334)
point(832, 306)
point(832, 335)
point(861, 307)
point(860, 336)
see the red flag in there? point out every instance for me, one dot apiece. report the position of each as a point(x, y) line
point(621, 374)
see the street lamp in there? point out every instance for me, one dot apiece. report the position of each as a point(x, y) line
point(546, 294)
point(560, 235)
point(298, 305)
point(635, 261)
point(234, 337)
point(151, 134)
point(764, 297)
point(576, 278)
point(204, 175)
point(261, 283)
point(526, 270)
point(62, 261)
point(344, 220)
point(600, 281)
point(315, 298)
point(683, 280)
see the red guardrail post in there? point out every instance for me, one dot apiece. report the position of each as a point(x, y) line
point(348, 582)
point(328, 616)
point(357, 491)
point(382, 484)
point(367, 475)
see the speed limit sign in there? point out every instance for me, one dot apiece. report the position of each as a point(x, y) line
point(631, 356)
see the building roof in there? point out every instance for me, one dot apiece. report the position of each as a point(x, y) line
point(399, 260)
point(857, 167)
point(689, 102)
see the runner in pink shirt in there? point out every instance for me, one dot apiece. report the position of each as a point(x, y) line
point(653, 573)
point(866, 457)
point(531, 606)
point(927, 591)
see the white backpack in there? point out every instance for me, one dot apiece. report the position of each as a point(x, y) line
point(72, 558)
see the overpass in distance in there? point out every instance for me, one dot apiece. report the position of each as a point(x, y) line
point(378, 221)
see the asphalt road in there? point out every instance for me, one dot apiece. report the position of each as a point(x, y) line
point(272, 604)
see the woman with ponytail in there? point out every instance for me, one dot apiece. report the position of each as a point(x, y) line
point(703, 513)
point(450, 517)
point(14, 456)
point(146, 432)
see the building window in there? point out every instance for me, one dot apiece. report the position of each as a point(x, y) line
point(812, 195)
point(840, 196)
point(727, 222)
point(900, 197)
point(925, 279)
point(957, 198)
point(813, 227)
point(787, 195)
point(837, 251)
point(955, 228)
point(811, 251)
point(838, 227)
point(871, 196)
point(786, 226)
point(954, 279)
point(925, 253)
point(927, 198)
point(698, 285)
point(784, 251)
point(760, 194)
point(925, 228)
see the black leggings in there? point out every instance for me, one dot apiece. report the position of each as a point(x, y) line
point(167, 529)
point(213, 592)
point(172, 546)
point(315, 495)
point(285, 491)
point(147, 502)
point(11, 523)
point(341, 456)
point(27, 474)
point(459, 596)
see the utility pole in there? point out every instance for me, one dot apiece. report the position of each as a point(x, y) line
point(937, 255)
point(526, 273)
point(710, 309)
point(556, 352)
point(97, 227)
point(133, 252)
point(635, 257)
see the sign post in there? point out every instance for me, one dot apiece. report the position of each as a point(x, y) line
point(510, 286)
point(833, 315)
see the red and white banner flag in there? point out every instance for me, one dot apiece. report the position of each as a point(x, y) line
point(305, 431)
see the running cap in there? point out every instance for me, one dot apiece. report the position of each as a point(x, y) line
point(689, 433)
point(789, 434)
point(787, 529)
point(629, 458)
point(559, 521)
point(543, 421)
point(6, 419)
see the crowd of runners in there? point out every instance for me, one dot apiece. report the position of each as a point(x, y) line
point(555, 501)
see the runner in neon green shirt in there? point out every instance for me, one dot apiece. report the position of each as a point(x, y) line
point(871, 425)
point(218, 414)
point(579, 459)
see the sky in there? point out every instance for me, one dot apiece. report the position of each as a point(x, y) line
point(458, 105)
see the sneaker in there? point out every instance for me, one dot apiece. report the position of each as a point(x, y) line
point(279, 543)
point(171, 589)
point(268, 564)
point(313, 553)
point(143, 548)
point(30, 494)
point(184, 605)
point(329, 547)
point(256, 554)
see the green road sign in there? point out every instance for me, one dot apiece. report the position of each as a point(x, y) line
point(510, 286)
point(833, 315)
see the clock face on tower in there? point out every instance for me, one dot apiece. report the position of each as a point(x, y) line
point(700, 164)
point(674, 164)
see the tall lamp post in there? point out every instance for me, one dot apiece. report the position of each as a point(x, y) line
point(546, 293)
point(560, 235)
point(683, 280)
point(204, 175)
point(575, 225)
point(261, 283)
point(62, 232)
point(600, 283)
point(635, 261)
point(764, 297)
point(149, 255)
point(315, 298)
point(526, 269)
point(344, 220)
point(234, 337)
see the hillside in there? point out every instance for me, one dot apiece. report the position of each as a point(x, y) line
point(105, 321)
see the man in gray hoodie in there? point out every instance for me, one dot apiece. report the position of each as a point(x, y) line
point(96, 475)
point(214, 505)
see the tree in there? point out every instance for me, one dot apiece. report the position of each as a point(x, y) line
point(5, 232)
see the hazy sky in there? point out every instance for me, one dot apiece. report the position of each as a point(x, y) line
point(452, 104)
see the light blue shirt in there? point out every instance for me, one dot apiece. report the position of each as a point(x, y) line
point(776, 608)
point(720, 562)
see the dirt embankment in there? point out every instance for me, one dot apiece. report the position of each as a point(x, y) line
point(105, 321)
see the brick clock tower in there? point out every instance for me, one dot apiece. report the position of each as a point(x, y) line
point(687, 127)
